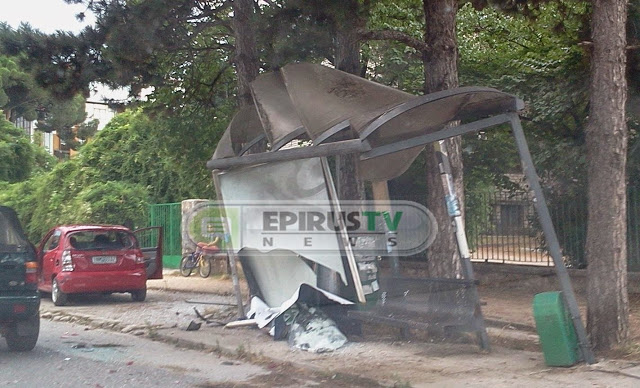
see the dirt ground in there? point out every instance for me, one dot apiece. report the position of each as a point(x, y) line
point(512, 303)
point(504, 303)
point(383, 355)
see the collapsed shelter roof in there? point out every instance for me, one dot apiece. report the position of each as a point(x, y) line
point(313, 102)
point(342, 113)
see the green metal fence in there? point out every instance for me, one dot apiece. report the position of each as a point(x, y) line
point(502, 227)
point(513, 227)
point(169, 216)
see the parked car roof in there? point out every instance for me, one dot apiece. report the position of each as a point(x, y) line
point(73, 228)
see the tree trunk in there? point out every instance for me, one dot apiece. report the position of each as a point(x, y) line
point(347, 59)
point(246, 53)
point(606, 247)
point(440, 73)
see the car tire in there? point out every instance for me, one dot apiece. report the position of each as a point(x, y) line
point(58, 297)
point(184, 269)
point(18, 343)
point(205, 268)
point(139, 295)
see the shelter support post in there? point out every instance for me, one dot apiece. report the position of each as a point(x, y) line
point(236, 283)
point(344, 235)
point(328, 279)
point(381, 194)
point(232, 255)
point(551, 238)
point(455, 213)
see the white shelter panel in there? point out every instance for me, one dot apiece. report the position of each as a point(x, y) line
point(278, 273)
point(273, 204)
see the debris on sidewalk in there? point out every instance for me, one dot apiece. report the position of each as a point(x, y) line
point(314, 331)
point(241, 323)
point(193, 326)
point(208, 320)
point(307, 328)
point(207, 302)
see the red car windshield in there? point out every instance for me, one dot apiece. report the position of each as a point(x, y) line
point(97, 240)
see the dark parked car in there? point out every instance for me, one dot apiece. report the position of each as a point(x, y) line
point(80, 259)
point(19, 297)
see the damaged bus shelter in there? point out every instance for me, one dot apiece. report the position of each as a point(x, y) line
point(331, 113)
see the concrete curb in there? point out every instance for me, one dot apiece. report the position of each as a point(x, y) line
point(498, 323)
point(150, 332)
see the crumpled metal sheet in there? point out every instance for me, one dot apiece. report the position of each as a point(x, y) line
point(302, 320)
point(313, 331)
point(324, 97)
point(265, 314)
point(224, 149)
point(244, 127)
point(422, 115)
point(321, 100)
point(278, 273)
point(275, 109)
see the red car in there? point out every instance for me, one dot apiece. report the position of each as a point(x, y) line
point(80, 259)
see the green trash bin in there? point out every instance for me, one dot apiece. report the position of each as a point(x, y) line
point(555, 329)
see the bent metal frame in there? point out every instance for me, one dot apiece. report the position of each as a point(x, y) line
point(483, 113)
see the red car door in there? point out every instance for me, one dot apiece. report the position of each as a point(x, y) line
point(150, 241)
point(49, 258)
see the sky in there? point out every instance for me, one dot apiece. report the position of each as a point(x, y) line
point(50, 16)
point(45, 15)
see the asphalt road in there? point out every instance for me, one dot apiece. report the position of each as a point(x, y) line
point(70, 355)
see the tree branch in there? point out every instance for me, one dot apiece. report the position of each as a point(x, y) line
point(589, 44)
point(394, 35)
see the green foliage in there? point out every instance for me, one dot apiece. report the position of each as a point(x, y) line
point(134, 161)
point(540, 61)
point(536, 57)
point(61, 63)
point(133, 43)
point(19, 159)
point(136, 148)
point(67, 195)
point(62, 116)
point(20, 197)
point(390, 62)
point(51, 199)
point(488, 159)
point(16, 157)
point(87, 130)
point(111, 203)
point(19, 95)
point(22, 92)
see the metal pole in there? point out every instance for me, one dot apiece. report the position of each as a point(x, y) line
point(453, 209)
point(381, 196)
point(551, 238)
point(344, 235)
point(337, 148)
point(231, 252)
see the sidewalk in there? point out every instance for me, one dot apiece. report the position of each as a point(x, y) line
point(374, 359)
point(500, 308)
point(510, 321)
point(172, 280)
